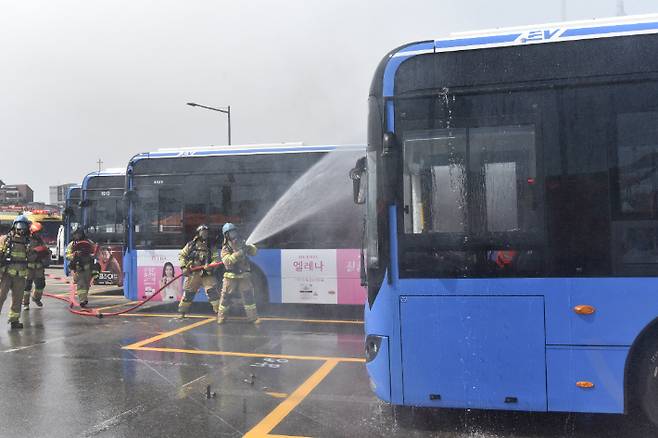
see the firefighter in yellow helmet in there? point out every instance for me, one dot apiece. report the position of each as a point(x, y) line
point(196, 253)
point(13, 262)
point(237, 277)
point(37, 253)
point(80, 253)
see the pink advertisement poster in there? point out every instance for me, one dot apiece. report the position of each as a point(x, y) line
point(321, 276)
point(154, 269)
point(350, 290)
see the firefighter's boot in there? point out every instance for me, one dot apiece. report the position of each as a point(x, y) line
point(251, 313)
point(221, 314)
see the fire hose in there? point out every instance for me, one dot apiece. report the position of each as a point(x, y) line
point(73, 302)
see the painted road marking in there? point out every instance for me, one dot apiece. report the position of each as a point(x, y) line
point(312, 321)
point(98, 309)
point(139, 345)
point(275, 417)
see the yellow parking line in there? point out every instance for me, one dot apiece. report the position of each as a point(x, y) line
point(139, 345)
point(166, 315)
point(314, 321)
point(275, 417)
point(277, 394)
point(115, 305)
point(235, 353)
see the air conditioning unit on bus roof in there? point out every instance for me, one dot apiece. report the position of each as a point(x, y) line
point(231, 147)
point(594, 22)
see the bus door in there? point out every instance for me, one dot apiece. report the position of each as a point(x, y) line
point(471, 191)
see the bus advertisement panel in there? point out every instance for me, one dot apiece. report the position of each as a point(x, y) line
point(102, 219)
point(511, 220)
point(302, 276)
point(314, 261)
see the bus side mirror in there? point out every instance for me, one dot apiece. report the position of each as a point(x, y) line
point(359, 181)
point(68, 212)
point(85, 203)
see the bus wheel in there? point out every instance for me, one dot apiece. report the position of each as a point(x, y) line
point(646, 384)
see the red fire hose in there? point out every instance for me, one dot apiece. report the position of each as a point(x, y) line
point(72, 301)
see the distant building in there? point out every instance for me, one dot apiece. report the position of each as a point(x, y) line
point(58, 194)
point(16, 194)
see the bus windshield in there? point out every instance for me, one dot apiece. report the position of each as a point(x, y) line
point(103, 208)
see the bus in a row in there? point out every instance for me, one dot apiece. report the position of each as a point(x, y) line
point(71, 221)
point(511, 187)
point(102, 218)
point(170, 192)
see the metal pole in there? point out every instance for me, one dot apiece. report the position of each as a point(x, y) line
point(229, 125)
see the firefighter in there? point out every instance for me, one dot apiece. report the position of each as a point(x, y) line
point(80, 253)
point(37, 253)
point(196, 253)
point(13, 261)
point(237, 277)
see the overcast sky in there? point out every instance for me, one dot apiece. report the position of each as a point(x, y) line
point(88, 79)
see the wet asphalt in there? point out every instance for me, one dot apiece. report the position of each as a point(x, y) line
point(151, 375)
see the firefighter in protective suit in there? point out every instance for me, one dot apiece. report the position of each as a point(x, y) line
point(237, 277)
point(80, 253)
point(37, 253)
point(198, 252)
point(13, 262)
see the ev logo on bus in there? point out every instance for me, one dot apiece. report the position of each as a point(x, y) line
point(539, 35)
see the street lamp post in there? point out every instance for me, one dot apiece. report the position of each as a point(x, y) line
point(226, 111)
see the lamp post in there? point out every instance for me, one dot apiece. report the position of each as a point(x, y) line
point(226, 111)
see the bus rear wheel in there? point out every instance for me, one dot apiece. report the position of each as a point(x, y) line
point(646, 383)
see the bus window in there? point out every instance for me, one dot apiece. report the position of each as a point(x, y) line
point(635, 232)
point(444, 179)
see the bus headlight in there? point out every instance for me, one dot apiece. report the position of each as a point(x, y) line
point(373, 343)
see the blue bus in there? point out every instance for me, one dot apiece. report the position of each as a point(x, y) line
point(170, 192)
point(72, 219)
point(511, 192)
point(103, 220)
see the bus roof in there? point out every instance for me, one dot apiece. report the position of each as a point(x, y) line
point(537, 34)
point(517, 36)
point(115, 171)
point(70, 190)
point(256, 149)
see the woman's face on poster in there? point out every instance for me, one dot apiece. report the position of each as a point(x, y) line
point(169, 271)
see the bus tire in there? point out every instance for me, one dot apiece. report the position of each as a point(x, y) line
point(645, 388)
